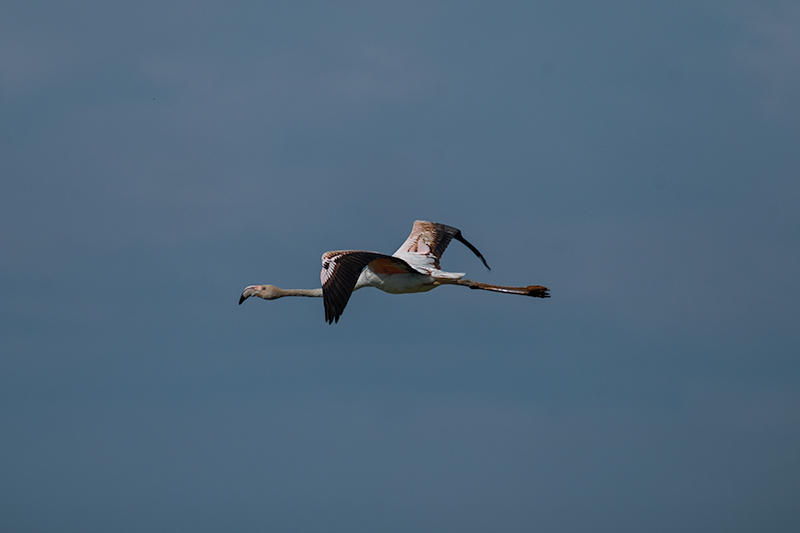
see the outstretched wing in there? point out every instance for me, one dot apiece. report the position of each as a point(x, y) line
point(340, 272)
point(431, 239)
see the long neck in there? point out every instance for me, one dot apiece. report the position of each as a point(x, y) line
point(311, 293)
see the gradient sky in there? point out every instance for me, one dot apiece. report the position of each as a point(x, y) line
point(640, 159)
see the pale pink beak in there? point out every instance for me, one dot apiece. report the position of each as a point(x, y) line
point(248, 292)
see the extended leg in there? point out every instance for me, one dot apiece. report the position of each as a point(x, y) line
point(536, 291)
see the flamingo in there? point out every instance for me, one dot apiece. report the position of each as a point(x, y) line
point(414, 267)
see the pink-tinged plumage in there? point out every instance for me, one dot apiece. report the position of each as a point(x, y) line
point(414, 267)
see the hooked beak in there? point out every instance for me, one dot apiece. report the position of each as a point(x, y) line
point(248, 292)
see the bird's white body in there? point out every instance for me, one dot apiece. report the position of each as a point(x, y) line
point(395, 283)
point(423, 278)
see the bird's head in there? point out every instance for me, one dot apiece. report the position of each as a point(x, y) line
point(267, 292)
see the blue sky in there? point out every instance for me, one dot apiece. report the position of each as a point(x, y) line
point(639, 160)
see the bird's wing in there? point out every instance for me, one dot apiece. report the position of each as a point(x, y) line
point(340, 271)
point(431, 239)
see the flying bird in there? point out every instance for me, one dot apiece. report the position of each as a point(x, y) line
point(414, 267)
